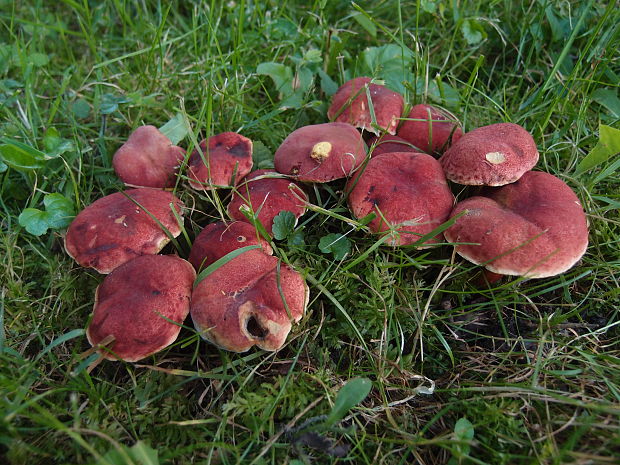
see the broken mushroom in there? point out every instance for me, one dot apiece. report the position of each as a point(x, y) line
point(534, 227)
point(140, 307)
point(220, 161)
point(251, 300)
point(350, 105)
point(121, 226)
point(148, 159)
point(407, 192)
point(321, 152)
point(492, 155)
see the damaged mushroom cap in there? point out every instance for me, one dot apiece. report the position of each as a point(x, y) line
point(148, 159)
point(134, 303)
point(251, 300)
point(387, 143)
point(120, 226)
point(321, 152)
point(222, 161)
point(492, 155)
point(218, 239)
point(267, 193)
point(430, 128)
point(407, 191)
point(350, 105)
point(535, 227)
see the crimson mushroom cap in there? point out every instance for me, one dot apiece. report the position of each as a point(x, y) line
point(430, 128)
point(492, 155)
point(218, 239)
point(321, 152)
point(387, 143)
point(407, 191)
point(350, 105)
point(148, 159)
point(228, 158)
point(118, 227)
point(534, 227)
point(268, 193)
point(134, 301)
point(241, 303)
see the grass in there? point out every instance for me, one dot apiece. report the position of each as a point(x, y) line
point(532, 366)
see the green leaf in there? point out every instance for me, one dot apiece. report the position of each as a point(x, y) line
point(20, 156)
point(366, 23)
point(296, 239)
point(109, 103)
point(327, 84)
point(472, 31)
point(608, 145)
point(58, 214)
point(463, 432)
point(351, 394)
point(281, 75)
point(283, 225)
point(262, 156)
point(138, 454)
point(337, 244)
point(609, 99)
point(39, 59)
point(3, 167)
point(390, 63)
point(54, 144)
point(440, 92)
point(80, 108)
point(175, 129)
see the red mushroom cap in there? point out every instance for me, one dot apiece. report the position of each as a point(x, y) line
point(228, 158)
point(534, 227)
point(407, 191)
point(430, 128)
point(321, 152)
point(241, 303)
point(134, 301)
point(268, 193)
point(492, 155)
point(387, 143)
point(114, 229)
point(350, 105)
point(218, 239)
point(148, 159)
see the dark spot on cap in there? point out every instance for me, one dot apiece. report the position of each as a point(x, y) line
point(239, 150)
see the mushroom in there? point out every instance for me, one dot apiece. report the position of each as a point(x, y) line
point(267, 193)
point(121, 226)
point(148, 159)
point(222, 161)
point(218, 239)
point(251, 300)
point(387, 143)
point(492, 155)
point(321, 152)
point(534, 227)
point(141, 305)
point(350, 105)
point(430, 128)
point(407, 191)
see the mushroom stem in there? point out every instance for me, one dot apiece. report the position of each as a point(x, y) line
point(487, 278)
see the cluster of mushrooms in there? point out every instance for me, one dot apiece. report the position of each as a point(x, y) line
point(521, 222)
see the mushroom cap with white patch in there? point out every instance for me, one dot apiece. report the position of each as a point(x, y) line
point(492, 155)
